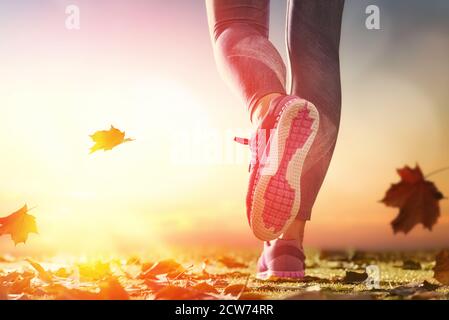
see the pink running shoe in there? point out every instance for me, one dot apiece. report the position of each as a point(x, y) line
point(279, 148)
point(281, 259)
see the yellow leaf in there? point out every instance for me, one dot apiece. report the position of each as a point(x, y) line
point(18, 224)
point(108, 139)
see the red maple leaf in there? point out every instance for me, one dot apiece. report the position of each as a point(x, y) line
point(416, 198)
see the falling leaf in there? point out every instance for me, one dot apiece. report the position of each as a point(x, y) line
point(416, 198)
point(19, 225)
point(441, 269)
point(231, 263)
point(108, 139)
point(355, 277)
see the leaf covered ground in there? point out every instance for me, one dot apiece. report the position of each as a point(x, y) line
point(220, 274)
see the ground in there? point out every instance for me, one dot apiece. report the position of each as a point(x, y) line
point(221, 274)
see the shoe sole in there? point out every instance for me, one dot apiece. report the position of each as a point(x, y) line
point(278, 275)
point(277, 193)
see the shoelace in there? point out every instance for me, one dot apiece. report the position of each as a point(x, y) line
point(247, 142)
point(244, 141)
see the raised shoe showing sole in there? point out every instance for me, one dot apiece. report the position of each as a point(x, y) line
point(276, 192)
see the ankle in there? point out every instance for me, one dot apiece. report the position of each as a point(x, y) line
point(297, 239)
point(295, 232)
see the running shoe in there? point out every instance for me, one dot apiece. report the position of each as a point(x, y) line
point(281, 259)
point(279, 148)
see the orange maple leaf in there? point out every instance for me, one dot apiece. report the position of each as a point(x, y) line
point(108, 139)
point(416, 198)
point(18, 224)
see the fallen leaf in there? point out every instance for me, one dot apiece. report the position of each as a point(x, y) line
point(111, 289)
point(19, 282)
point(426, 295)
point(441, 269)
point(429, 286)
point(6, 258)
point(252, 296)
point(422, 291)
point(416, 198)
point(62, 273)
point(220, 283)
point(154, 285)
point(95, 270)
point(231, 263)
point(320, 295)
point(133, 260)
point(3, 294)
point(307, 279)
point(168, 266)
point(179, 273)
point(21, 296)
point(61, 292)
point(234, 274)
point(352, 277)
point(172, 292)
point(411, 265)
point(235, 289)
point(108, 139)
point(205, 287)
point(407, 290)
point(42, 273)
point(19, 225)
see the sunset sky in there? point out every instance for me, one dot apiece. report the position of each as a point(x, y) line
point(147, 68)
